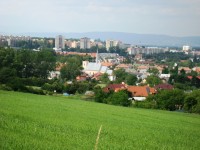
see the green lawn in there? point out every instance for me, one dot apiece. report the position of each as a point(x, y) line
point(30, 121)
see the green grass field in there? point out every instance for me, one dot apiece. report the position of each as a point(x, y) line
point(30, 121)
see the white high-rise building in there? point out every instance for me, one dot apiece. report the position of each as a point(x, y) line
point(59, 42)
point(186, 48)
point(146, 50)
point(85, 43)
point(112, 43)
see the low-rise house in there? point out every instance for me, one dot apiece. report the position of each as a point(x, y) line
point(164, 77)
point(197, 69)
point(107, 64)
point(139, 93)
point(123, 66)
point(164, 87)
point(142, 76)
point(97, 76)
point(56, 72)
point(138, 57)
point(186, 69)
point(143, 69)
point(190, 77)
point(115, 87)
point(82, 77)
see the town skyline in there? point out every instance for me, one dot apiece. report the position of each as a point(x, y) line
point(174, 18)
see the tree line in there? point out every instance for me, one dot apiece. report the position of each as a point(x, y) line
point(20, 68)
point(173, 100)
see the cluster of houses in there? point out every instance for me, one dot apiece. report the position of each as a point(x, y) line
point(138, 93)
point(107, 63)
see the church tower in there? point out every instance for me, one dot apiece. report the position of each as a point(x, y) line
point(97, 56)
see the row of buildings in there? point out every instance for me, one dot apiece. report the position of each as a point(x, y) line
point(86, 43)
point(133, 50)
point(13, 41)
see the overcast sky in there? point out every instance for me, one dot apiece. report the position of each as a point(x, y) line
point(170, 17)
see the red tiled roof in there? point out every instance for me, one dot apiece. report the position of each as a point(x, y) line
point(143, 67)
point(59, 66)
point(114, 87)
point(152, 90)
point(97, 75)
point(81, 78)
point(107, 64)
point(139, 91)
point(122, 66)
point(198, 69)
point(190, 77)
point(184, 68)
point(164, 86)
point(77, 53)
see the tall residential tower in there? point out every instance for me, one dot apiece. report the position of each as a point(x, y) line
point(59, 42)
point(85, 43)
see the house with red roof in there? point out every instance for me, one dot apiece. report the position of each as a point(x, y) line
point(115, 87)
point(142, 69)
point(82, 77)
point(139, 93)
point(123, 66)
point(190, 77)
point(164, 87)
point(186, 69)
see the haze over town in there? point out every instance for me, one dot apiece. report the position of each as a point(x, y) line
point(169, 17)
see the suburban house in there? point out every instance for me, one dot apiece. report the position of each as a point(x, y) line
point(164, 87)
point(197, 69)
point(56, 72)
point(115, 87)
point(107, 64)
point(190, 77)
point(138, 57)
point(143, 69)
point(123, 66)
point(82, 77)
point(139, 93)
point(186, 69)
point(97, 76)
point(164, 77)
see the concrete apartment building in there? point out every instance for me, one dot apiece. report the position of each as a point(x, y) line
point(146, 50)
point(14, 40)
point(112, 43)
point(59, 42)
point(85, 43)
point(187, 48)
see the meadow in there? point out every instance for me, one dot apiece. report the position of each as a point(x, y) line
point(29, 121)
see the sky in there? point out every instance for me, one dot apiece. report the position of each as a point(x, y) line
point(169, 17)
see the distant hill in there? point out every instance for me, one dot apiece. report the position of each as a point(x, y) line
point(140, 39)
point(131, 38)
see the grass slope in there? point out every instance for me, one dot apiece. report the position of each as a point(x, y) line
point(30, 121)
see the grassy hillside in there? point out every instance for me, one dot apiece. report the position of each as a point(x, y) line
point(45, 122)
